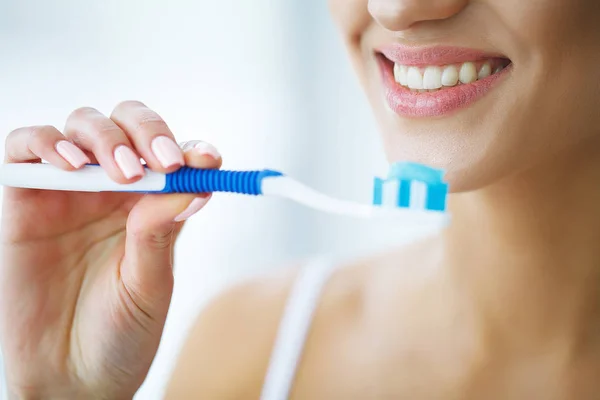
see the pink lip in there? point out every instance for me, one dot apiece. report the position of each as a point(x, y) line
point(441, 55)
point(407, 103)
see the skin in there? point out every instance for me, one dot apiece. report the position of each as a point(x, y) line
point(502, 304)
point(87, 289)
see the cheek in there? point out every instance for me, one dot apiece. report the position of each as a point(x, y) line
point(557, 71)
point(354, 23)
point(549, 28)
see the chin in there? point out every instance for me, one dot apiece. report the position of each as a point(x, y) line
point(471, 155)
point(466, 169)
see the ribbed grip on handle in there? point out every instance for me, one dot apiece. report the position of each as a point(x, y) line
point(193, 180)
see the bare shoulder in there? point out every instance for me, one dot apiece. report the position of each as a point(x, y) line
point(228, 349)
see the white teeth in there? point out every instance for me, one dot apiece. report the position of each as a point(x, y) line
point(450, 76)
point(414, 78)
point(432, 78)
point(485, 71)
point(400, 74)
point(467, 73)
point(404, 75)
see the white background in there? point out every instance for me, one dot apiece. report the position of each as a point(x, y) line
point(266, 81)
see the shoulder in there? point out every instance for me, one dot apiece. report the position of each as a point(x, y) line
point(228, 349)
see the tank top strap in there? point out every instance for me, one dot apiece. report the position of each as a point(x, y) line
point(294, 328)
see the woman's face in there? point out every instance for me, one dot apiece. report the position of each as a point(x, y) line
point(480, 88)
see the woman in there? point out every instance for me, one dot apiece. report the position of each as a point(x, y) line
point(504, 95)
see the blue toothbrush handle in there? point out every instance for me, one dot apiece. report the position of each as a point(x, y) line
point(193, 180)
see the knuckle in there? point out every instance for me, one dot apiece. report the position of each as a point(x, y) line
point(9, 148)
point(10, 142)
point(82, 113)
point(104, 134)
point(161, 240)
point(88, 124)
point(38, 134)
point(104, 139)
point(138, 117)
point(149, 121)
point(105, 128)
point(32, 137)
point(126, 105)
point(12, 135)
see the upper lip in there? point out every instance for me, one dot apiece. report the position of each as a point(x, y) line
point(437, 55)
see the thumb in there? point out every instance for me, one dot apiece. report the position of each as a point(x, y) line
point(152, 228)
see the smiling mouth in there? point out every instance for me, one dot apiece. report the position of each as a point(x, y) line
point(436, 81)
point(433, 77)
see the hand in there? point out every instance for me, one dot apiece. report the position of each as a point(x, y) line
point(86, 278)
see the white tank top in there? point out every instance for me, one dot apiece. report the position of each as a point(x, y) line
point(294, 327)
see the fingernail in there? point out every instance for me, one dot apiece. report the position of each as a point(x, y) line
point(188, 145)
point(207, 149)
point(72, 154)
point(128, 162)
point(195, 206)
point(167, 152)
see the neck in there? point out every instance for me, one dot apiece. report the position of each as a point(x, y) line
point(527, 251)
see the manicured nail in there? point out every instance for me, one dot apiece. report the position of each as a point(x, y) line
point(72, 154)
point(167, 152)
point(195, 206)
point(188, 144)
point(128, 162)
point(207, 149)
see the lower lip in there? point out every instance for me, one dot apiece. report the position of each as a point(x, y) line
point(409, 104)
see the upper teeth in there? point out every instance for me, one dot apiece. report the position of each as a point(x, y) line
point(434, 77)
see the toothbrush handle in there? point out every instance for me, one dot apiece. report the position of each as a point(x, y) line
point(193, 180)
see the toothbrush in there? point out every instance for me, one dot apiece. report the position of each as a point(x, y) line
point(92, 178)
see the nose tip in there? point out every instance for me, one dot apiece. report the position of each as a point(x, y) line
point(399, 15)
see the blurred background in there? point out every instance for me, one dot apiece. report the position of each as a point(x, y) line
point(266, 81)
